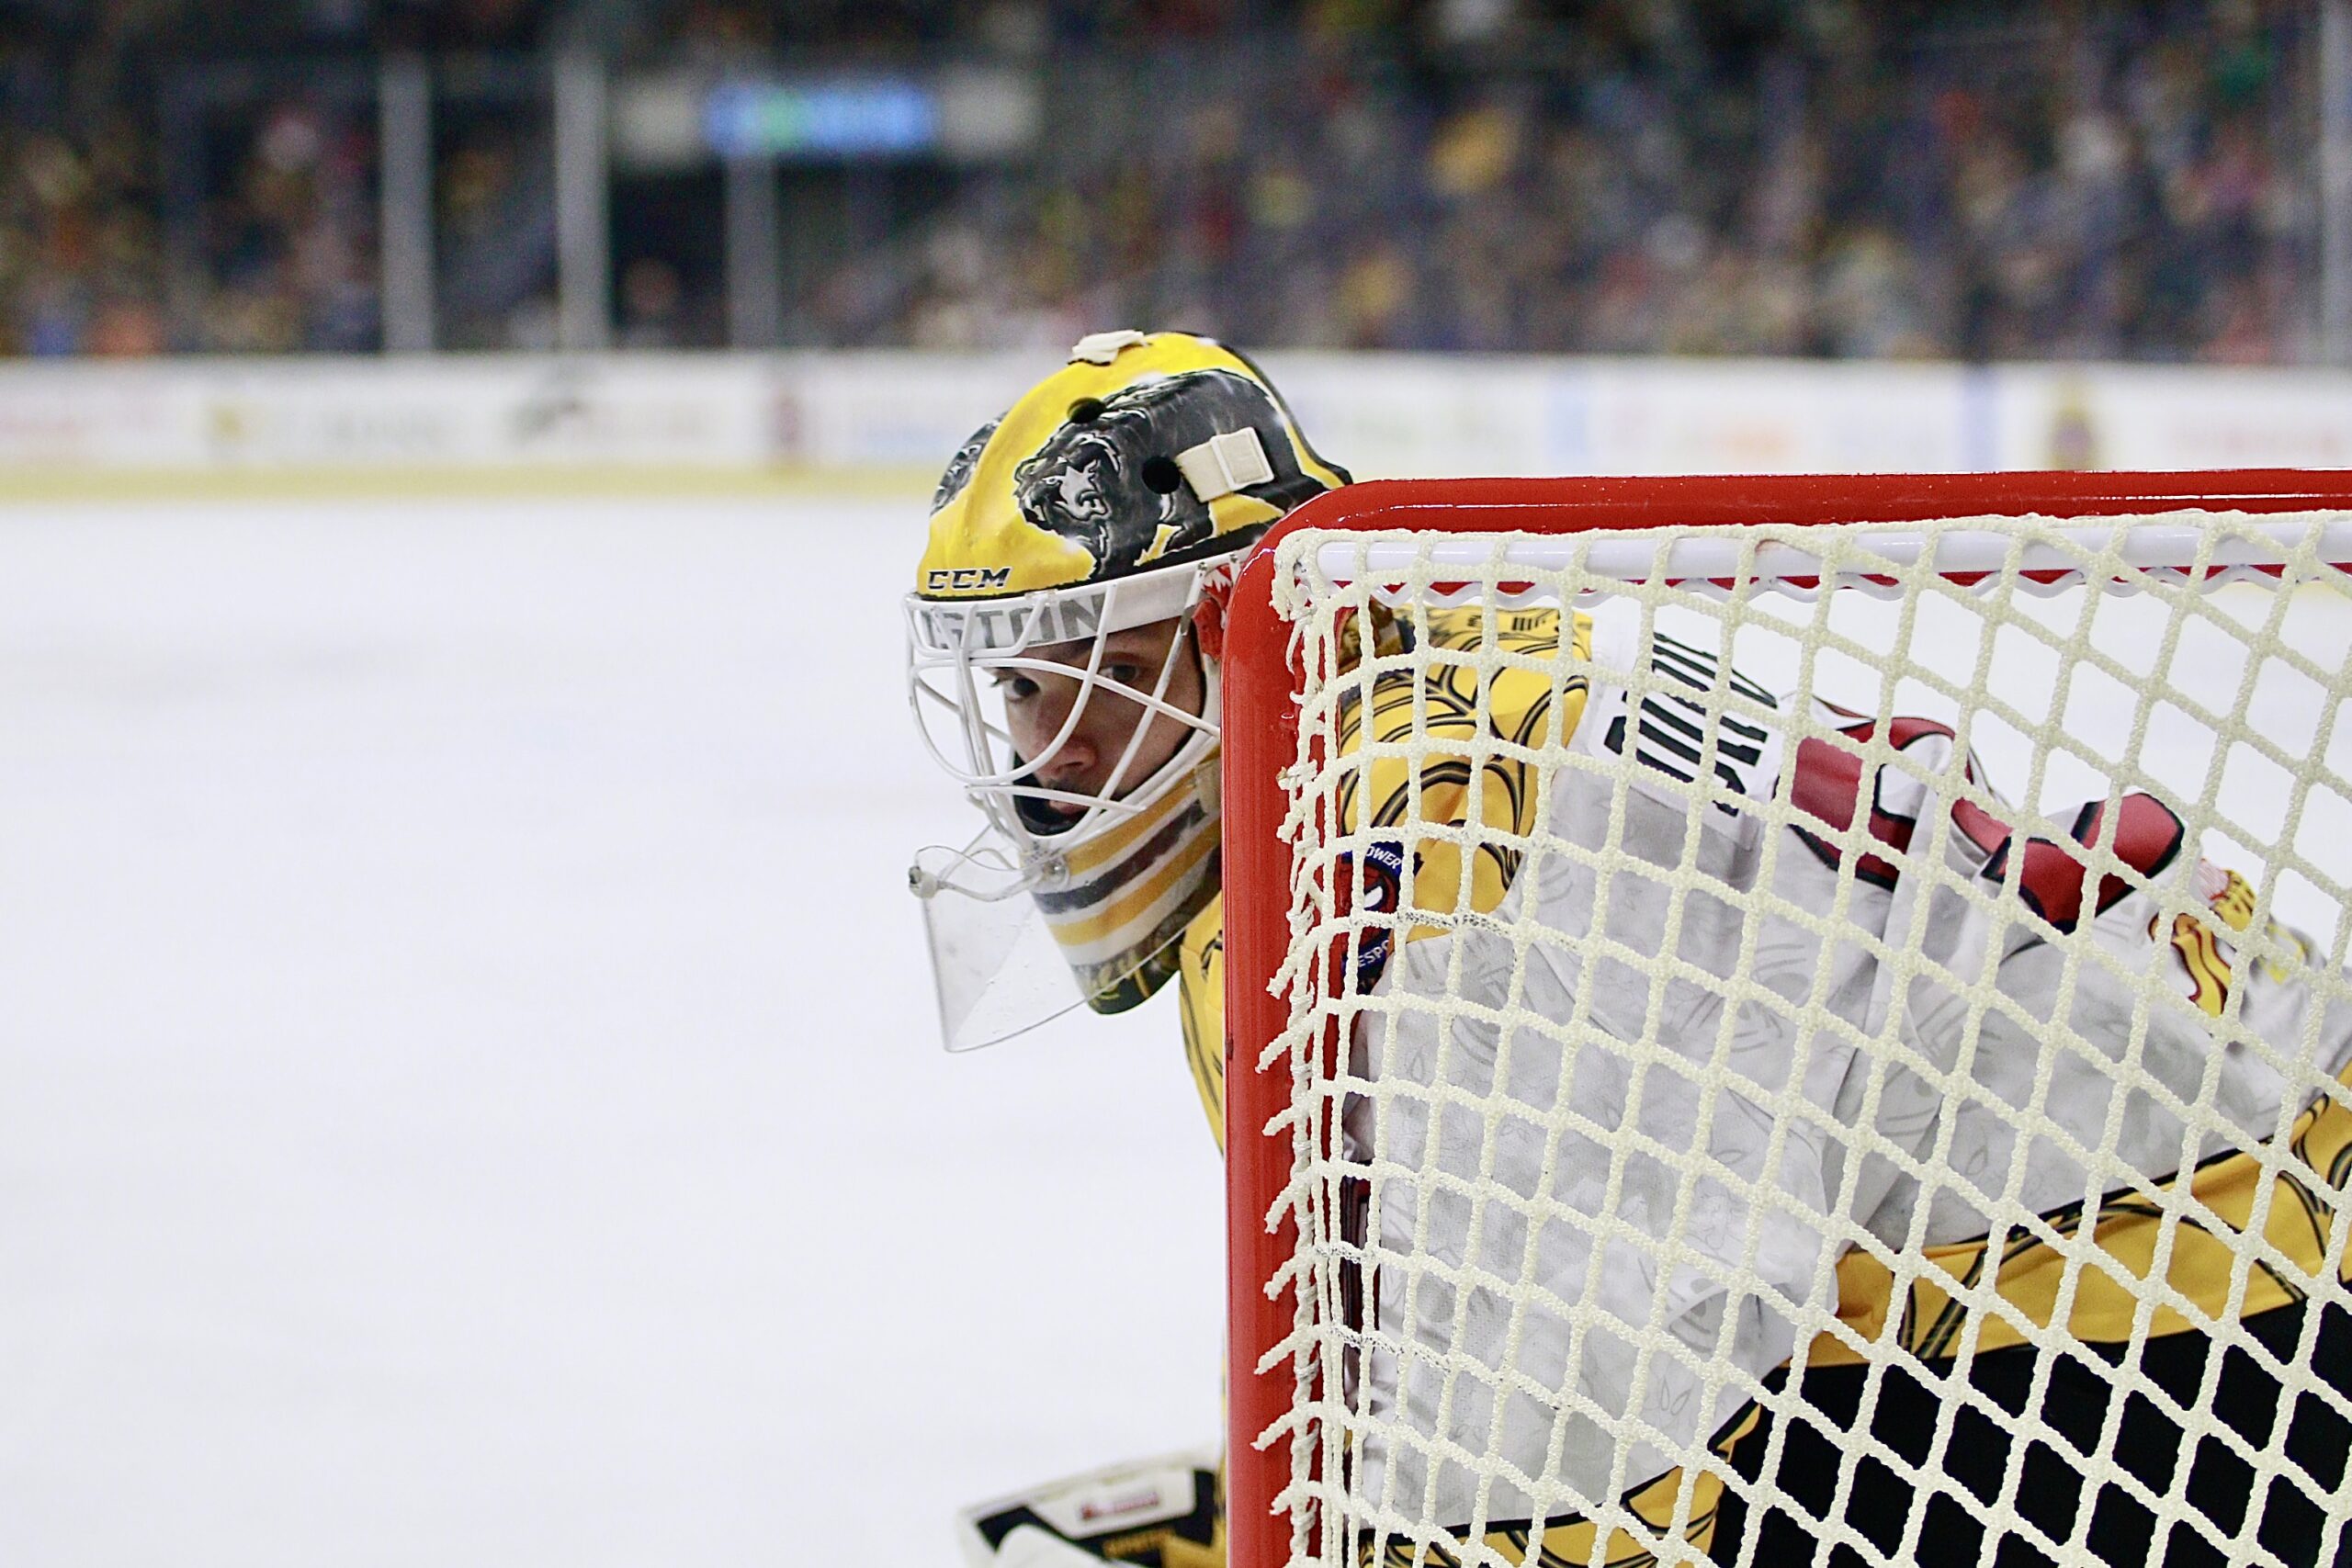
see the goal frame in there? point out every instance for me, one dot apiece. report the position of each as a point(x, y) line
point(1260, 731)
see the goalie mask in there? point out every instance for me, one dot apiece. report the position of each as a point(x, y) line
point(1056, 670)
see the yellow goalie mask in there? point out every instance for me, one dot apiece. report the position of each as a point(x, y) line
point(1056, 671)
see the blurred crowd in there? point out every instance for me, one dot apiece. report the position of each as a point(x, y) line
point(1986, 180)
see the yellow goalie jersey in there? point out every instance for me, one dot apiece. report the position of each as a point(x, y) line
point(1452, 783)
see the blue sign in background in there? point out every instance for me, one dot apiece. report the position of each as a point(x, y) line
point(850, 119)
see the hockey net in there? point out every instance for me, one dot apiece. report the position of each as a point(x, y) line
point(1792, 1021)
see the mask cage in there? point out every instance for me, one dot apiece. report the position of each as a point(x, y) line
point(956, 651)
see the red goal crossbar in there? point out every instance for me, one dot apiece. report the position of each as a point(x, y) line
point(1259, 741)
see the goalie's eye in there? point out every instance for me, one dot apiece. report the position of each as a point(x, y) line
point(1126, 673)
point(1016, 686)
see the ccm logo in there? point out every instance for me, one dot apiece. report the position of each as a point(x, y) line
point(964, 579)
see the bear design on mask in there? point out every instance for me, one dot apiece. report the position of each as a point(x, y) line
point(1107, 478)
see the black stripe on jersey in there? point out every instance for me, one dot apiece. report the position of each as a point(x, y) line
point(1134, 863)
point(1664, 708)
point(1538, 717)
point(1652, 709)
point(1673, 729)
point(1617, 744)
point(1436, 775)
point(1755, 732)
point(1672, 657)
point(1506, 861)
point(1657, 749)
point(1683, 662)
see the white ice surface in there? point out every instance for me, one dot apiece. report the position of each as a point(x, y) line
point(467, 1087)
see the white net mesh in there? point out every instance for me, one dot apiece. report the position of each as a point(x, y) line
point(1821, 1043)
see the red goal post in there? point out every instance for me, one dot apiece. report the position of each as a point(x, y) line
point(1260, 735)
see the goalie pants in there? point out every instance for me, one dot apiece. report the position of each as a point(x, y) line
point(2052, 1489)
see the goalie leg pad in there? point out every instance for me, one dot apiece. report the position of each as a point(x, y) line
point(1159, 1513)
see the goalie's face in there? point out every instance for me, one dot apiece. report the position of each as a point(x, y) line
point(1067, 712)
point(1100, 739)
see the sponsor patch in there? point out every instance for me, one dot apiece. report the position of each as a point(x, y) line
point(1383, 879)
point(1122, 1503)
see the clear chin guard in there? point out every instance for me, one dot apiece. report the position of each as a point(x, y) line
point(995, 967)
